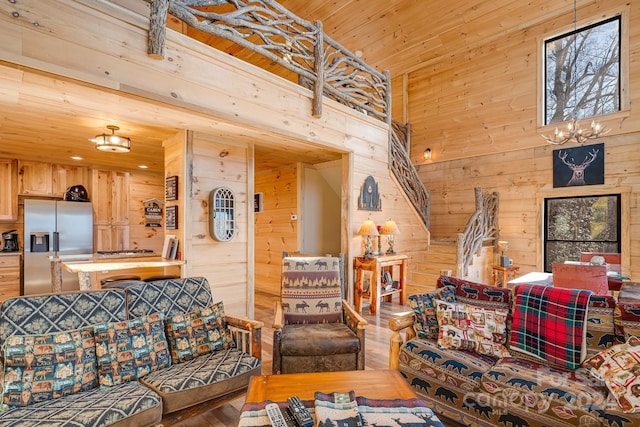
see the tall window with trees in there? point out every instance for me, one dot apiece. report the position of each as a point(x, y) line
point(582, 72)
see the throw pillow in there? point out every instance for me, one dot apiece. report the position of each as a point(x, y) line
point(619, 368)
point(48, 366)
point(467, 327)
point(626, 321)
point(426, 323)
point(130, 349)
point(192, 334)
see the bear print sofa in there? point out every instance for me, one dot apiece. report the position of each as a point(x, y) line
point(121, 357)
point(512, 389)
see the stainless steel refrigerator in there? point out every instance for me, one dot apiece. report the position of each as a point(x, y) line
point(54, 228)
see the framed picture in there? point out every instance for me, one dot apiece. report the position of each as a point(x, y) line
point(257, 202)
point(578, 166)
point(171, 188)
point(171, 219)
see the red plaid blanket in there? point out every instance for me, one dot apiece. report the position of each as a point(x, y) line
point(550, 323)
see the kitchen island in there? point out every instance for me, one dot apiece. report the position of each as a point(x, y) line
point(88, 270)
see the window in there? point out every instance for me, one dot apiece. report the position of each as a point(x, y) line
point(582, 72)
point(222, 221)
point(580, 224)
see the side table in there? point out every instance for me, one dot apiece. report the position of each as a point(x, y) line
point(504, 273)
point(376, 265)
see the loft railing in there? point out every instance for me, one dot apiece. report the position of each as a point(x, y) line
point(267, 28)
point(481, 227)
point(321, 64)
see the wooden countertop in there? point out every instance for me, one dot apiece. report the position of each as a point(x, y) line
point(102, 264)
point(10, 253)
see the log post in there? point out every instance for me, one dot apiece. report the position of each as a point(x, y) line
point(387, 96)
point(319, 71)
point(157, 28)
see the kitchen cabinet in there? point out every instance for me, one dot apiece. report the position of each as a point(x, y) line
point(9, 276)
point(111, 209)
point(65, 176)
point(8, 191)
point(35, 178)
point(46, 179)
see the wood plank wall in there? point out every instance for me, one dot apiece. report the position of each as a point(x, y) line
point(274, 230)
point(218, 163)
point(476, 106)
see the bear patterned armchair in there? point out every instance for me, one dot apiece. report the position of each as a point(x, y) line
point(315, 329)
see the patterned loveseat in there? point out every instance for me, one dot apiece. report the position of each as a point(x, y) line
point(514, 389)
point(121, 357)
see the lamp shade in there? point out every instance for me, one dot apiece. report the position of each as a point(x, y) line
point(390, 227)
point(368, 228)
point(503, 245)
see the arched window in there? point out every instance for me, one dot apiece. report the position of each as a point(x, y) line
point(222, 220)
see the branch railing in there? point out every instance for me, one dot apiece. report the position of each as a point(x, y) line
point(481, 227)
point(321, 64)
point(267, 28)
point(405, 172)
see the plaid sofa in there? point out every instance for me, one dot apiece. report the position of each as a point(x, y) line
point(44, 320)
point(516, 391)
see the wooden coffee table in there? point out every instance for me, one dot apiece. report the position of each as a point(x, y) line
point(384, 384)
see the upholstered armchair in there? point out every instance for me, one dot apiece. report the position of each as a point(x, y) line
point(315, 329)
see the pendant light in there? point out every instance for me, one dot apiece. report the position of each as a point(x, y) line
point(113, 143)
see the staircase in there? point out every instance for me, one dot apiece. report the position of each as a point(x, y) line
point(440, 256)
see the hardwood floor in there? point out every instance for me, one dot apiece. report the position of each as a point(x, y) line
point(377, 357)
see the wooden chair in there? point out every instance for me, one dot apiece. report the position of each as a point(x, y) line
point(315, 329)
point(581, 276)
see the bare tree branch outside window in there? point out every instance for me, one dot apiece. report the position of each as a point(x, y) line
point(583, 72)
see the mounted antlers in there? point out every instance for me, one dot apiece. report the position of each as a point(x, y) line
point(578, 170)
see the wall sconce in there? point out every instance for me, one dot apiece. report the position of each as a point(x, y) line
point(368, 229)
point(427, 154)
point(390, 229)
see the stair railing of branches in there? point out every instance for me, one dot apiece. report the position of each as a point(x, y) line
point(321, 64)
point(405, 172)
point(481, 227)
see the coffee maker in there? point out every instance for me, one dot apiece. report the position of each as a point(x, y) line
point(10, 241)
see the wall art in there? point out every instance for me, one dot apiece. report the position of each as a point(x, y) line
point(582, 165)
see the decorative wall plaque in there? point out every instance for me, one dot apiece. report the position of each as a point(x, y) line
point(171, 219)
point(369, 199)
point(171, 188)
point(582, 165)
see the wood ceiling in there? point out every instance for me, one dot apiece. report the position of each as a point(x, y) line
point(394, 35)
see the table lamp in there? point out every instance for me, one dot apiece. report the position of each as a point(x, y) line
point(390, 229)
point(368, 229)
point(503, 246)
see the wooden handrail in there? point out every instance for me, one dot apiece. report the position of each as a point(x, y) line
point(405, 172)
point(482, 226)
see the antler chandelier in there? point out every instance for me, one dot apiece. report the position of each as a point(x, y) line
point(576, 133)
